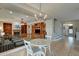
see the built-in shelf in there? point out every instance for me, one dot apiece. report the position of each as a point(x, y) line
point(38, 30)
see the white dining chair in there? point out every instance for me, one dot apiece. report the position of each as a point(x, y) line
point(44, 47)
point(33, 51)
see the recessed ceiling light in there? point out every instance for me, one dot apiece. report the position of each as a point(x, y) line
point(27, 16)
point(11, 12)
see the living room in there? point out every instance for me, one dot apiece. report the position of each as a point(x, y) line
point(45, 25)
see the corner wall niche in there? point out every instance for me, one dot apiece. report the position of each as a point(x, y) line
point(38, 30)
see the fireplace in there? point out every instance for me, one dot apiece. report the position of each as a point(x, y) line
point(37, 31)
point(16, 33)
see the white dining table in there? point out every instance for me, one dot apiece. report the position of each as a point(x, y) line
point(41, 42)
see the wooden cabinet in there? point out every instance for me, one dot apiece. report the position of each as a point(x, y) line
point(7, 28)
point(24, 30)
point(38, 30)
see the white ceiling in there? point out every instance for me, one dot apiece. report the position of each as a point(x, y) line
point(61, 11)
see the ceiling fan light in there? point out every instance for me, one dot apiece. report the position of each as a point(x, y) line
point(11, 12)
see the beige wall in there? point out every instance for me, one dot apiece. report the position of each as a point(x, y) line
point(49, 27)
point(1, 25)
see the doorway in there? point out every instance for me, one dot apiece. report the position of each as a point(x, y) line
point(69, 32)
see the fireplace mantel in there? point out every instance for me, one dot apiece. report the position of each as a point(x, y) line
point(16, 30)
